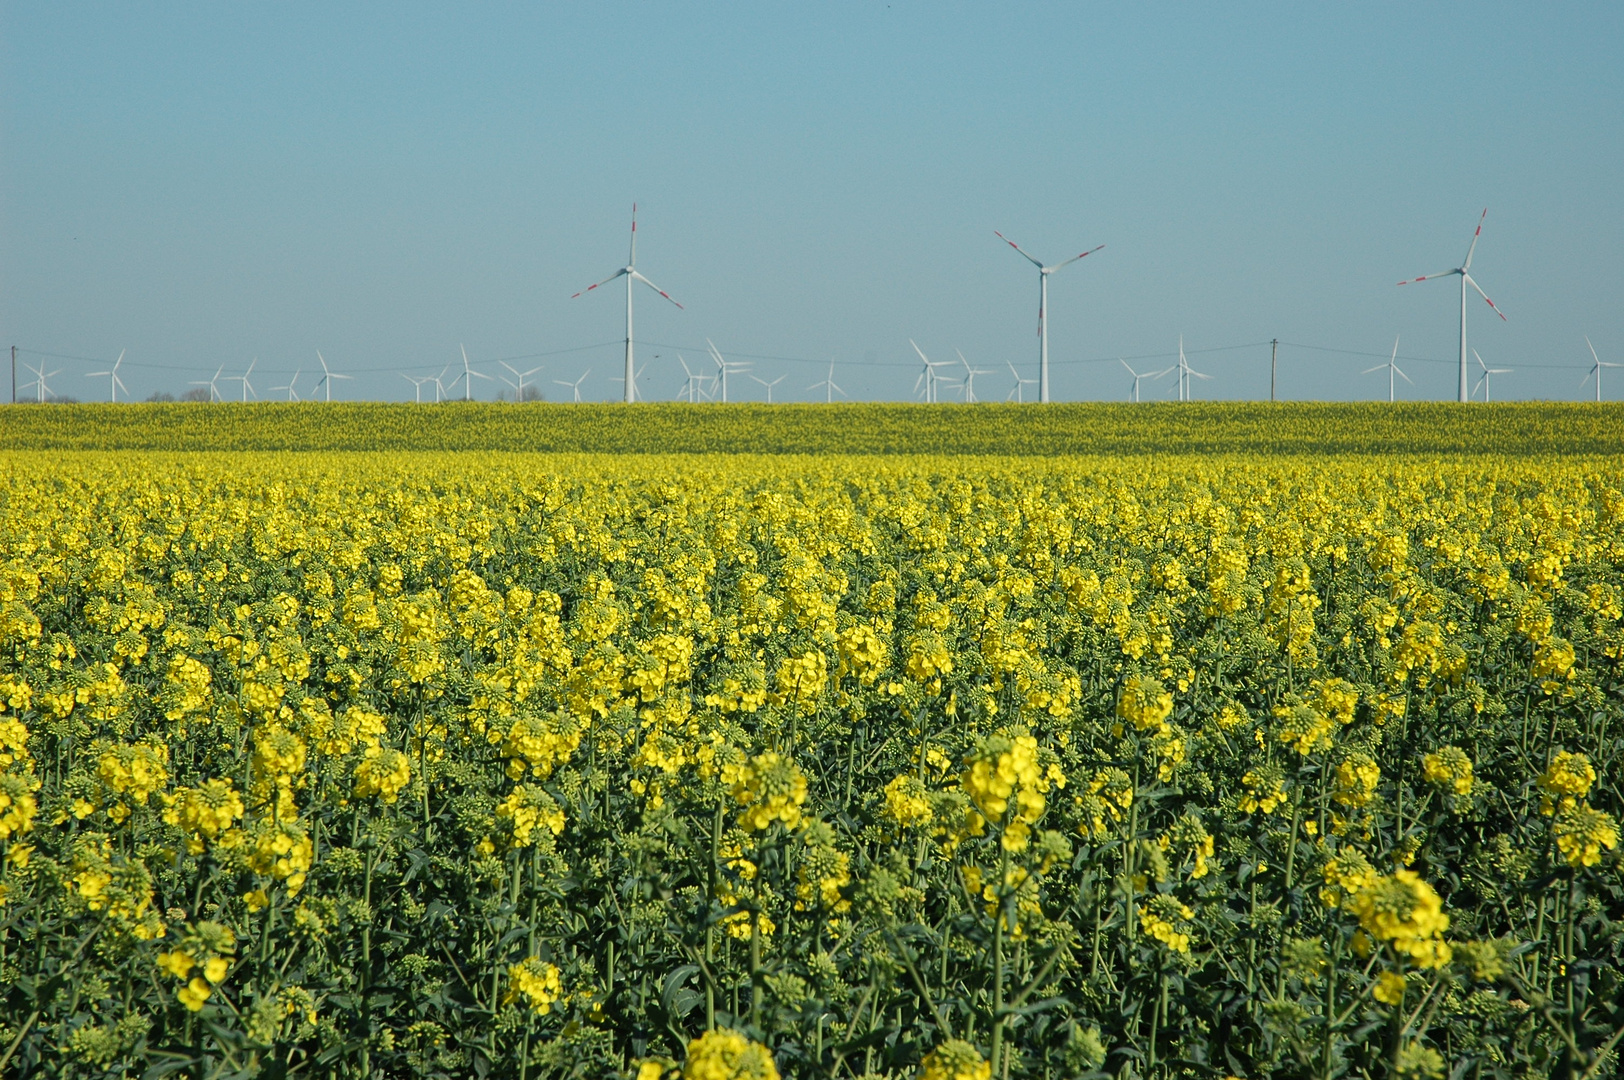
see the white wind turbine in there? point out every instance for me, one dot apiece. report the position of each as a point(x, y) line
point(769, 385)
point(1392, 369)
point(693, 383)
point(724, 368)
point(1186, 373)
point(1483, 380)
point(927, 375)
point(970, 374)
point(1019, 390)
point(247, 387)
point(576, 385)
point(521, 376)
point(293, 395)
point(40, 375)
point(115, 384)
point(214, 390)
point(1465, 279)
point(629, 272)
point(829, 387)
point(1043, 308)
point(327, 376)
point(1596, 369)
point(417, 382)
point(468, 376)
point(1139, 376)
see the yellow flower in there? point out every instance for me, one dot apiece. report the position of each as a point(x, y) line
point(1565, 782)
point(955, 1060)
point(724, 1054)
point(536, 982)
point(1144, 703)
point(1582, 833)
point(1389, 988)
point(194, 994)
point(770, 788)
point(1404, 911)
point(1449, 767)
point(384, 773)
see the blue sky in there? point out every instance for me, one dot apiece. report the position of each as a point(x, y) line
point(205, 184)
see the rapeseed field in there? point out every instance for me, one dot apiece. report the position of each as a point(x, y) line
point(474, 764)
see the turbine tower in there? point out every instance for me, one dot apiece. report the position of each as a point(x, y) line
point(1464, 270)
point(575, 387)
point(629, 272)
point(829, 387)
point(1019, 390)
point(1186, 373)
point(1139, 376)
point(327, 377)
point(1043, 308)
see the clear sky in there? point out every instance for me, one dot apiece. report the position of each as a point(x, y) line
point(203, 184)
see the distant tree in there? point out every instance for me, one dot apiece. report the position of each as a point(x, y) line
point(161, 395)
point(200, 393)
point(532, 393)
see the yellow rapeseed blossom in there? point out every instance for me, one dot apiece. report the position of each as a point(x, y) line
point(768, 788)
point(1167, 920)
point(1449, 767)
point(1404, 911)
point(1565, 782)
point(1582, 833)
point(527, 807)
point(955, 1060)
point(536, 983)
point(724, 1054)
point(1144, 703)
point(381, 772)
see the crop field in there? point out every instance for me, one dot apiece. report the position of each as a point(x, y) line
point(458, 764)
point(1213, 427)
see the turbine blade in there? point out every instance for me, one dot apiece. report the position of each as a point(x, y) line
point(605, 281)
point(1074, 258)
point(655, 287)
point(1017, 247)
point(1593, 355)
point(1378, 367)
point(1429, 277)
point(1403, 376)
point(1484, 295)
point(1467, 265)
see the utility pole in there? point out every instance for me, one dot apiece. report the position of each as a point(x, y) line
point(1274, 363)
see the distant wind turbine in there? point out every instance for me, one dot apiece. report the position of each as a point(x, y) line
point(970, 374)
point(293, 395)
point(1465, 279)
point(693, 383)
point(1018, 392)
point(327, 377)
point(521, 376)
point(1392, 369)
point(617, 378)
point(116, 384)
point(1139, 376)
point(927, 375)
point(39, 384)
point(829, 387)
point(724, 368)
point(417, 382)
point(468, 376)
point(1043, 308)
point(247, 387)
point(576, 385)
point(629, 272)
point(214, 389)
point(1483, 380)
point(1596, 369)
point(769, 385)
point(1186, 373)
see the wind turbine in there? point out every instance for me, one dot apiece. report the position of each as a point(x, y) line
point(927, 375)
point(1392, 369)
point(1596, 370)
point(214, 391)
point(247, 387)
point(1465, 279)
point(970, 374)
point(829, 387)
point(293, 395)
point(327, 376)
point(1186, 372)
point(769, 385)
point(576, 385)
point(468, 376)
point(1483, 380)
point(1138, 376)
point(726, 367)
point(693, 383)
point(417, 382)
point(40, 375)
point(116, 384)
point(518, 388)
point(629, 272)
point(1043, 308)
point(1019, 392)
